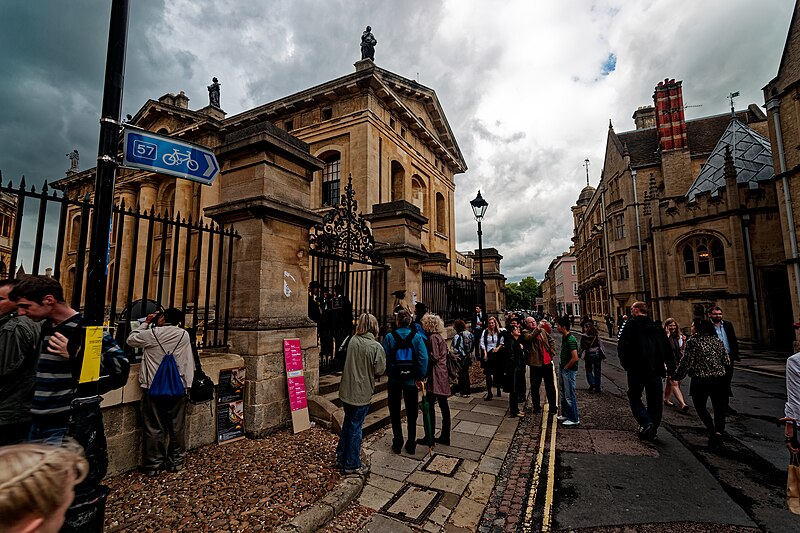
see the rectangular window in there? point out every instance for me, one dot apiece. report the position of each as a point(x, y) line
point(289, 125)
point(574, 288)
point(573, 270)
point(327, 113)
point(619, 226)
point(614, 268)
point(391, 123)
point(403, 133)
point(623, 267)
point(330, 182)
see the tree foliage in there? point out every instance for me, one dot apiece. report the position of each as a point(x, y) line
point(523, 295)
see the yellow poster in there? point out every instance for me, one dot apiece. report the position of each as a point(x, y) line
point(92, 350)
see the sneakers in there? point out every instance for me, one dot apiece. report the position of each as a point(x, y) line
point(648, 432)
point(362, 470)
point(561, 418)
point(571, 423)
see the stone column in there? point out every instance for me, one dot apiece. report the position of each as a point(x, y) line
point(265, 194)
point(147, 199)
point(184, 190)
point(127, 195)
point(397, 230)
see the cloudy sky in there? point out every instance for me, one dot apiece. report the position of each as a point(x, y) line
point(528, 86)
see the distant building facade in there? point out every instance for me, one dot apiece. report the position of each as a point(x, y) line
point(684, 218)
point(8, 209)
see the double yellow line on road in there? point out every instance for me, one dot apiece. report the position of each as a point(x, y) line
point(536, 475)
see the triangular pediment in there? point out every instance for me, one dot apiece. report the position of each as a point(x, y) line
point(752, 159)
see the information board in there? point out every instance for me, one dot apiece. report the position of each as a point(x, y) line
point(230, 405)
point(296, 383)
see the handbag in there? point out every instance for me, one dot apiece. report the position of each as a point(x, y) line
point(793, 484)
point(202, 389)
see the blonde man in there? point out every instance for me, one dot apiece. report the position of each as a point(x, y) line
point(37, 486)
point(365, 361)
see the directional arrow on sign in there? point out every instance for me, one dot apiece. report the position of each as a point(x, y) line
point(158, 153)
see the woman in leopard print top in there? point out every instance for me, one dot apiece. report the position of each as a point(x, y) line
point(705, 360)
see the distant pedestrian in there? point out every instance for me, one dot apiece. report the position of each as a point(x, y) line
point(610, 325)
point(644, 352)
point(490, 341)
point(479, 323)
point(438, 382)
point(19, 353)
point(407, 364)
point(541, 351)
point(463, 342)
point(568, 368)
point(705, 360)
point(163, 417)
point(365, 361)
point(677, 341)
point(726, 333)
point(591, 350)
point(515, 357)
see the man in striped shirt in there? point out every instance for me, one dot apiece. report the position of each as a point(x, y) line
point(42, 299)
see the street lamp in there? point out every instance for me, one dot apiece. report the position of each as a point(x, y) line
point(479, 206)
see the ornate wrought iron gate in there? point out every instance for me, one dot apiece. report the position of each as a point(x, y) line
point(351, 273)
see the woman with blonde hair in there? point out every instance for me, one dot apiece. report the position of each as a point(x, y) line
point(438, 383)
point(491, 356)
point(37, 486)
point(365, 361)
point(677, 341)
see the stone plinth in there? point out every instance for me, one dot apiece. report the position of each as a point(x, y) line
point(397, 229)
point(495, 281)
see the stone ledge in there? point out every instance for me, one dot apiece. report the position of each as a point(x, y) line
point(323, 511)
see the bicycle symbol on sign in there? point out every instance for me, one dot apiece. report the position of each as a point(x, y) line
point(178, 158)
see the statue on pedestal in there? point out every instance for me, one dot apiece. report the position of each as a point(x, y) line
point(74, 158)
point(368, 43)
point(213, 93)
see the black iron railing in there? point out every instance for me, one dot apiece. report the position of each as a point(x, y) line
point(154, 260)
point(450, 297)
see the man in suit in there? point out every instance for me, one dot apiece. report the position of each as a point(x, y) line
point(727, 335)
point(479, 321)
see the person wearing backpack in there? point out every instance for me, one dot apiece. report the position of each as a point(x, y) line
point(439, 377)
point(463, 346)
point(166, 349)
point(644, 353)
point(407, 364)
point(41, 299)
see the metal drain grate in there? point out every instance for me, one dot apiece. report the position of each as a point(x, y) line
point(412, 503)
point(442, 465)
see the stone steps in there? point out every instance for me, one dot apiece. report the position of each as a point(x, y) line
point(378, 415)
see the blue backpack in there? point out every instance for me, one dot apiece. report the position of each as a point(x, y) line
point(403, 360)
point(167, 382)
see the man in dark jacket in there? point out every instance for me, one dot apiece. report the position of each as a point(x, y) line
point(727, 335)
point(643, 352)
point(19, 353)
point(479, 321)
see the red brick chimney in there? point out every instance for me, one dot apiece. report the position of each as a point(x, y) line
point(671, 124)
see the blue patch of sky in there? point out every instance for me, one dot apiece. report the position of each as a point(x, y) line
point(609, 65)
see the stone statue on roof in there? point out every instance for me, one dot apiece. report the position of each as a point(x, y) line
point(74, 158)
point(368, 43)
point(213, 93)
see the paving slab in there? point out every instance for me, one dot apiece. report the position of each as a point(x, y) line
point(486, 430)
point(489, 410)
point(490, 465)
point(480, 488)
point(449, 484)
point(467, 514)
point(374, 498)
point(379, 523)
point(460, 453)
point(395, 462)
point(413, 503)
point(465, 426)
point(497, 448)
point(469, 442)
point(384, 483)
point(391, 473)
point(481, 418)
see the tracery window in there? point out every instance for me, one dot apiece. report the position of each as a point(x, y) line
point(703, 255)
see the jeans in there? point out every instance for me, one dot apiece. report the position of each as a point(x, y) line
point(654, 391)
point(717, 389)
point(47, 435)
point(348, 452)
point(410, 397)
point(593, 365)
point(569, 399)
point(464, 385)
point(537, 374)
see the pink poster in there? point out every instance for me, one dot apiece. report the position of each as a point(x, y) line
point(294, 374)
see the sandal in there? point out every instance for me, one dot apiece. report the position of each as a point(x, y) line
point(667, 402)
point(685, 408)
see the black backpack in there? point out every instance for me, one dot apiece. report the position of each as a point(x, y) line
point(404, 359)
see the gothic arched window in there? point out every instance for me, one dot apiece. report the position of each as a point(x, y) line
point(703, 255)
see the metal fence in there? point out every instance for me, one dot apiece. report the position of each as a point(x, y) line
point(450, 297)
point(154, 259)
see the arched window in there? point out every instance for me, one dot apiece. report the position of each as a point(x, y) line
point(441, 214)
point(331, 179)
point(74, 235)
point(398, 181)
point(703, 255)
point(418, 193)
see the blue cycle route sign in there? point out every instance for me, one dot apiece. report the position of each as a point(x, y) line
point(164, 155)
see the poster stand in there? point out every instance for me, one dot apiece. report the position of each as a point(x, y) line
point(296, 383)
point(230, 405)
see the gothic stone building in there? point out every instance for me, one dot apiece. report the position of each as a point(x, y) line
point(685, 217)
point(782, 98)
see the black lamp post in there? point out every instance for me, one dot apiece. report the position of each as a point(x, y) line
point(479, 206)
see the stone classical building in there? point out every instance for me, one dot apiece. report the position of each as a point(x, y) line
point(8, 207)
point(560, 286)
point(284, 165)
point(685, 217)
point(782, 98)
